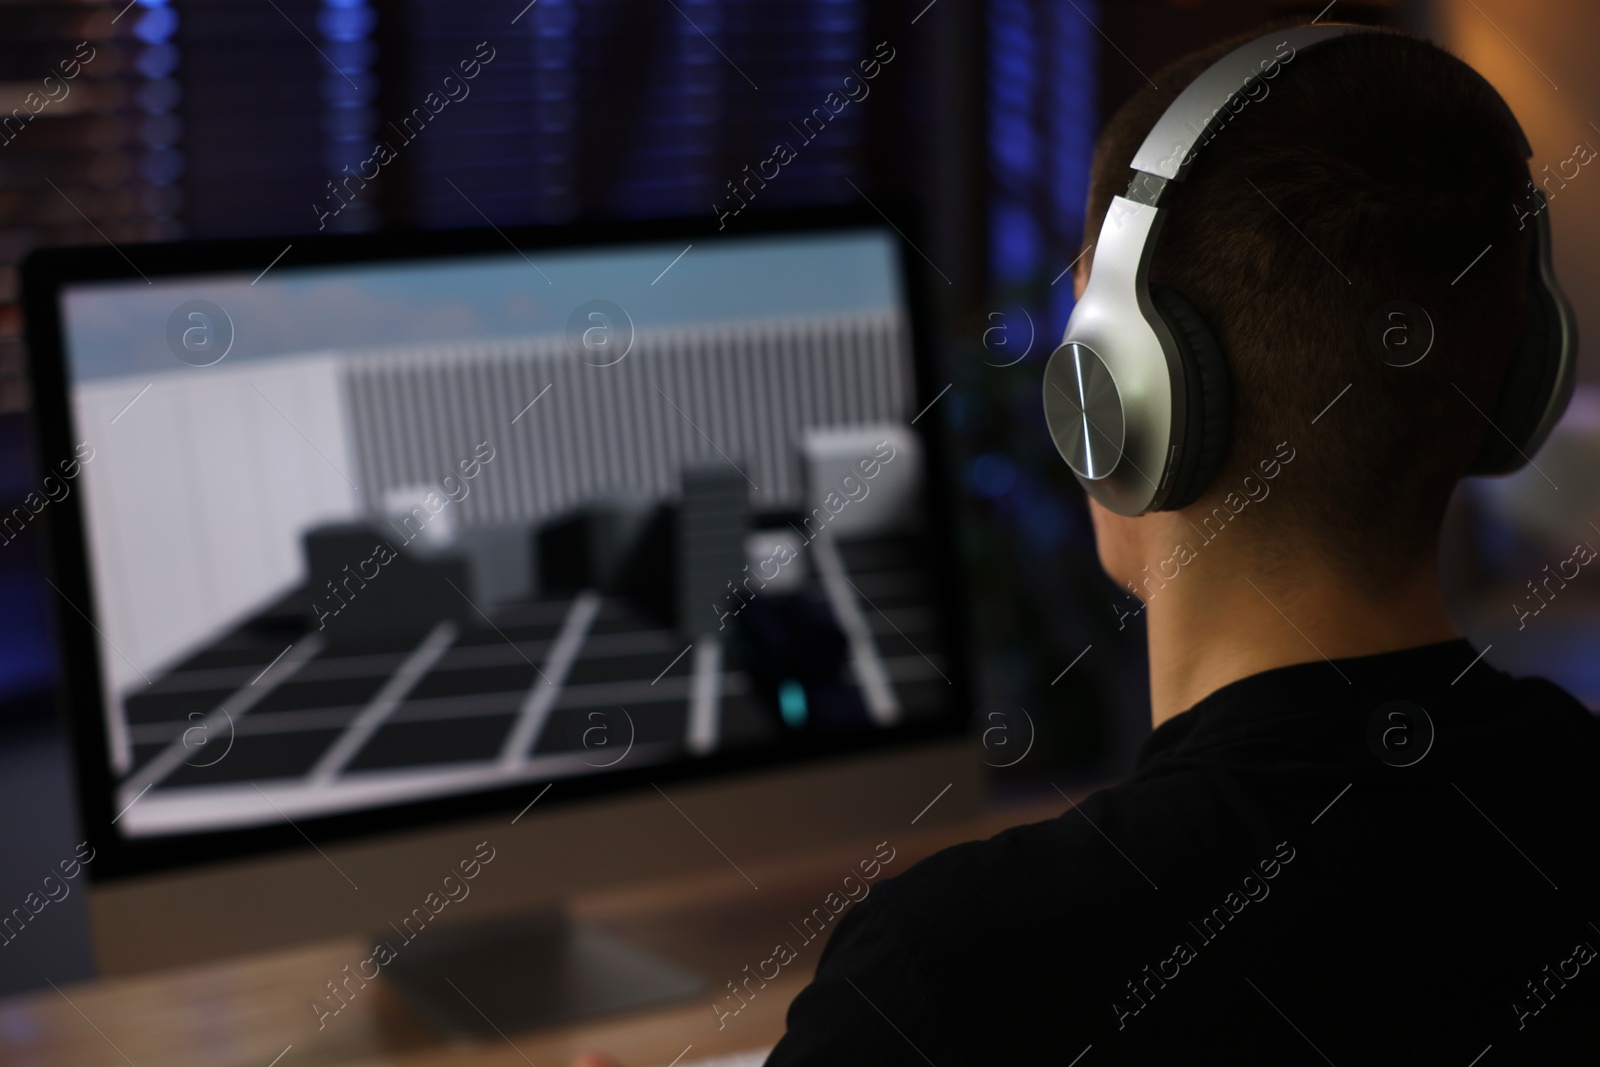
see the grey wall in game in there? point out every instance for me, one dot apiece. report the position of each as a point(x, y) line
point(630, 426)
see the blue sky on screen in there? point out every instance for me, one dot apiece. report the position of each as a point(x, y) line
point(116, 329)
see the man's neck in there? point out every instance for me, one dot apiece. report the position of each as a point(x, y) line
point(1217, 625)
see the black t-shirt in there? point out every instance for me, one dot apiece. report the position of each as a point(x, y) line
point(1295, 873)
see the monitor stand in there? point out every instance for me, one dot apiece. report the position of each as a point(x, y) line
point(528, 971)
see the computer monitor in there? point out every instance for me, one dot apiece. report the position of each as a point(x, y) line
point(363, 545)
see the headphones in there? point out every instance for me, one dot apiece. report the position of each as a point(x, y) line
point(1137, 396)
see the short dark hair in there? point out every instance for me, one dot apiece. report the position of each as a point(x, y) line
point(1376, 168)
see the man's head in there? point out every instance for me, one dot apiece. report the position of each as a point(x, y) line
point(1374, 171)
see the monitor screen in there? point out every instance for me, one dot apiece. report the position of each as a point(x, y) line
point(370, 533)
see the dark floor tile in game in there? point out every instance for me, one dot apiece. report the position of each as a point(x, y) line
point(352, 642)
point(924, 698)
point(253, 758)
point(746, 721)
point(624, 669)
point(172, 707)
point(916, 644)
point(331, 693)
point(576, 729)
point(418, 744)
point(232, 652)
point(880, 553)
point(511, 678)
point(487, 635)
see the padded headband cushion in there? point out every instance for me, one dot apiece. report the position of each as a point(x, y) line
point(1207, 400)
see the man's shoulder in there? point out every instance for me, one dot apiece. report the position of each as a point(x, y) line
point(1031, 920)
point(1084, 861)
point(1539, 695)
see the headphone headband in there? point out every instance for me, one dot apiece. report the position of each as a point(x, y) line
point(1202, 107)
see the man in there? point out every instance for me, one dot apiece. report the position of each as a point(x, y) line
point(1349, 839)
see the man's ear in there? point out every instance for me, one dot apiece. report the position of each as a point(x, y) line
point(1080, 277)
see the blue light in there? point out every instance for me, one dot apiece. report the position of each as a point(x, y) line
point(156, 25)
point(349, 122)
point(1014, 234)
point(1045, 522)
point(992, 474)
point(1041, 117)
point(343, 23)
point(792, 703)
point(955, 411)
point(157, 61)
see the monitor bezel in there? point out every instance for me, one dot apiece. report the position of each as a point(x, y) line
point(47, 272)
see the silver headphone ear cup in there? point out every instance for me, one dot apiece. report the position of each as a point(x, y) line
point(1083, 411)
point(1207, 397)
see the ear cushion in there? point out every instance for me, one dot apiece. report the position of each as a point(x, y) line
point(1529, 380)
point(1207, 398)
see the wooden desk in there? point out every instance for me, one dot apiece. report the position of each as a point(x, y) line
point(247, 1011)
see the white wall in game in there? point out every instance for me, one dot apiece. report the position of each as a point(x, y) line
point(197, 496)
